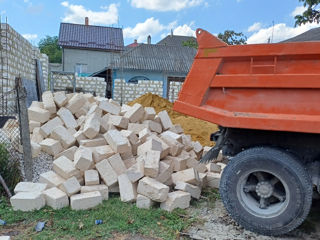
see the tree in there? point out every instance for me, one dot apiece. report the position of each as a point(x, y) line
point(49, 45)
point(233, 38)
point(312, 14)
point(190, 43)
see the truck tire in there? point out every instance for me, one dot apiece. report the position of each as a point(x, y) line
point(266, 190)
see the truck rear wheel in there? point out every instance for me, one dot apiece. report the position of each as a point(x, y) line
point(267, 191)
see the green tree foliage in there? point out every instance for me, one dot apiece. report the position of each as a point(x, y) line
point(190, 43)
point(49, 45)
point(312, 14)
point(233, 38)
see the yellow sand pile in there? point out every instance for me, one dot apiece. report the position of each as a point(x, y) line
point(198, 129)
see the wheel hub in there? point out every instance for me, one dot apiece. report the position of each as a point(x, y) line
point(264, 189)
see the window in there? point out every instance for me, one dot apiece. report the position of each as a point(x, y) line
point(135, 80)
point(81, 68)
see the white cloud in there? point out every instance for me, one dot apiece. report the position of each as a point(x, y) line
point(149, 27)
point(166, 5)
point(30, 36)
point(280, 32)
point(77, 13)
point(255, 27)
point(185, 30)
point(298, 11)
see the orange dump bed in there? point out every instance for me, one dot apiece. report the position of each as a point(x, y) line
point(260, 86)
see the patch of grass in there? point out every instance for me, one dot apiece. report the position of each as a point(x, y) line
point(208, 196)
point(116, 215)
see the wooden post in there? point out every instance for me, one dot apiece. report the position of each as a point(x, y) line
point(4, 185)
point(24, 129)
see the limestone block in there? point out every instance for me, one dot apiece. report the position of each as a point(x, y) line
point(136, 127)
point(62, 135)
point(197, 148)
point(60, 99)
point(175, 200)
point(151, 163)
point(36, 135)
point(27, 201)
point(70, 186)
point(136, 171)
point(107, 173)
point(37, 104)
point(187, 142)
point(135, 113)
point(30, 187)
point(76, 102)
point(149, 113)
point(149, 145)
point(92, 126)
point(128, 190)
point(64, 167)
point(195, 191)
point(124, 109)
point(114, 188)
point(83, 158)
point(38, 114)
point(173, 135)
point(56, 198)
point(144, 134)
point(144, 202)
point(104, 123)
point(153, 189)
point(35, 149)
point(129, 162)
point(119, 121)
point(117, 142)
point(176, 129)
point(153, 126)
point(69, 153)
point(5, 238)
point(94, 108)
point(81, 121)
point(110, 107)
point(101, 152)
point(51, 146)
point(100, 141)
point(48, 127)
point(213, 180)
point(193, 163)
point(165, 147)
point(103, 189)
point(85, 201)
point(48, 102)
point(175, 146)
point(189, 175)
point(206, 149)
point(91, 177)
point(165, 120)
point(79, 136)
point(51, 179)
point(71, 131)
point(67, 118)
point(117, 164)
point(213, 167)
point(165, 172)
point(33, 125)
point(130, 135)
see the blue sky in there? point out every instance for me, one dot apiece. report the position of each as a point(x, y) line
point(139, 18)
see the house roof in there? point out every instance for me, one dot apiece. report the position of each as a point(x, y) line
point(308, 36)
point(154, 57)
point(89, 36)
point(174, 40)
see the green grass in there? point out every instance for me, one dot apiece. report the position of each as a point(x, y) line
point(208, 196)
point(118, 217)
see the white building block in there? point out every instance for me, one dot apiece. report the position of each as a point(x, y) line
point(128, 190)
point(175, 146)
point(135, 113)
point(33, 125)
point(91, 177)
point(153, 126)
point(92, 126)
point(51, 178)
point(85, 201)
point(79, 136)
point(213, 167)
point(165, 172)
point(102, 152)
point(60, 99)
point(213, 180)
point(153, 189)
point(30, 187)
point(195, 191)
point(48, 102)
point(99, 141)
point(70, 186)
point(117, 164)
point(76, 102)
point(48, 127)
point(64, 167)
point(119, 121)
point(38, 114)
point(130, 135)
point(51, 146)
point(103, 189)
point(189, 175)
point(149, 113)
point(109, 107)
point(144, 134)
point(27, 201)
point(67, 118)
point(36, 135)
point(136, 127)
point(149, 145)
point(193, 163)
point(165, 120)
point(165, 148)
point(69, 153)
point(117, 142)
point(83, 158)
point(129, 162)
point(151, 163)
point(56, 198)
point(197, 148)
point(35, 149)
point(136, 171)
point(175, 200)
point(144, 202)
point(5, 238)
point(173, 135)
point(107, 173)
point(62, 135)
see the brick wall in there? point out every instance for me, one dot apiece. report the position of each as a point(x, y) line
point(174, 89)
point(88, 84)
point(125, 92)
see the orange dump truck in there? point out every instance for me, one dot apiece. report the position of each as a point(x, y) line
point(266, 100)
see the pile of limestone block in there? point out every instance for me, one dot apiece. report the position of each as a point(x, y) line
point(101, 147)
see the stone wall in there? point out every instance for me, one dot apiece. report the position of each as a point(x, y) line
point(87, 84)
point(174, 89)
point(125, 92)
point(18, 58)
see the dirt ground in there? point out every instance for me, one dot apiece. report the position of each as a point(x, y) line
point(217, 225)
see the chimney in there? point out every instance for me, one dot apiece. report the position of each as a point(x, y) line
point(86, 21)
point(149, 39)
point(135, 41)
point(171, 32)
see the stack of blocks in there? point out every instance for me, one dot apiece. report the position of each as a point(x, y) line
point(101, 147)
